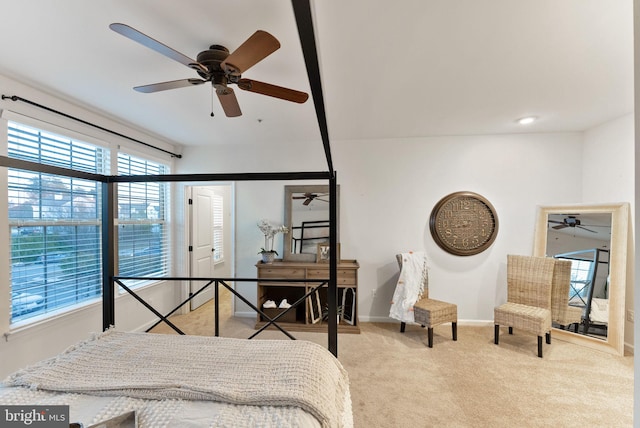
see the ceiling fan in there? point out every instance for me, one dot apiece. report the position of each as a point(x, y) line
point(218, 66)
point(570, 221)
point(308, 197)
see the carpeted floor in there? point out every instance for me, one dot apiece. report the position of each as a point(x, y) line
point(397, 381)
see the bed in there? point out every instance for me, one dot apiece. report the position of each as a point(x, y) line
point(189, 381)
point(599, 313)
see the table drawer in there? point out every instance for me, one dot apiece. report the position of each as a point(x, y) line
point(289, 273)
point(345, 276)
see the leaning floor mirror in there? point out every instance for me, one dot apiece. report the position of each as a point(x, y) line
point(595, 239)
point(306, 214)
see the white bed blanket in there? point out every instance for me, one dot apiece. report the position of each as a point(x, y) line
point(92, 409)
point(147, 366)
point(599, 311)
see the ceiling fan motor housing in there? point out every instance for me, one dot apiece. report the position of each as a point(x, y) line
point(572, 221)
point(211, 59)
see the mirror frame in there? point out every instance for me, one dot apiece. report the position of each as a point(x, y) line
point(288, 193)
point(617, 270)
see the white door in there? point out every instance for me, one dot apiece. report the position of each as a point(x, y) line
point(202, 243)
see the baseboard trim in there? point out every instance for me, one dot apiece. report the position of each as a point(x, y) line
point(475, 323)
point(245, 314)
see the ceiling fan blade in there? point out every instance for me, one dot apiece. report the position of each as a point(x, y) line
point(256, 48)
point(307, 202)
point(157, 46)
point(273, 90)
point(588, 230)
point(554, 221)
point(229, 102)
point(560, 226)
point(173, 84)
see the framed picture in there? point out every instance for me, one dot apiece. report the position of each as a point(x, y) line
point(315, 308)
point(349, 305)
point(323, 254)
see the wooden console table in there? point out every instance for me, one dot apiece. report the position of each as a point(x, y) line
point(306, 317)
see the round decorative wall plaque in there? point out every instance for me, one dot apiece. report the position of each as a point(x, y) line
point(464, 223)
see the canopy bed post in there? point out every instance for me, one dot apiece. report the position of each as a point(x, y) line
point(332, 293)
point(216, 310)
point(108, 256)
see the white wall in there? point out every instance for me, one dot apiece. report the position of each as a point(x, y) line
point(388, 188)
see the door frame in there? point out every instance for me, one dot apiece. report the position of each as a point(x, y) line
point(225, 269)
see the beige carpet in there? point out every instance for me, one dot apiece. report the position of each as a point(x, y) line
point(397, 381)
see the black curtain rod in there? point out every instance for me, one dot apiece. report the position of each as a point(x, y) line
point(17, 98)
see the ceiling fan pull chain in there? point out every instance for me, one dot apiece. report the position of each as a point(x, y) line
point(212, 101)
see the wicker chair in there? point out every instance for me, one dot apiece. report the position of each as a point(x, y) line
point(528, 304)
point(430, 313)
point(561, 313)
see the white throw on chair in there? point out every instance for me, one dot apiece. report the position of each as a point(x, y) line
point(411, 302)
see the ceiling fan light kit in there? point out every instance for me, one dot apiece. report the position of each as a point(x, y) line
point(219, 67)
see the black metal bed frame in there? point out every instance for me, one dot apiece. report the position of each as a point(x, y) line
point(109, 204)
point(595, 260)
point(306, 225)
point(304, 21)
point(216, 286)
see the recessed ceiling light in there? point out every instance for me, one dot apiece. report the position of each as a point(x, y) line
point(527, 120)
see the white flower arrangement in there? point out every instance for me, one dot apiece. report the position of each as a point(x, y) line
point(270, 231)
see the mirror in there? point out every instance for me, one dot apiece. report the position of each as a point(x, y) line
point(306, 211)
point(594, 238)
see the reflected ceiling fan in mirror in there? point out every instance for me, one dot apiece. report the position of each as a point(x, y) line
point(220, 67)
point(571, 221)
point(309, 197)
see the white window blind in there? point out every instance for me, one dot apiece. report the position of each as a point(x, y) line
point(143, 239)
point(55, 224)
point(218, 228)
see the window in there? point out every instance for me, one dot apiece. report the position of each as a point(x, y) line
point(581, 279)
point(218, 228)
point(142, 229)
point(54, 223)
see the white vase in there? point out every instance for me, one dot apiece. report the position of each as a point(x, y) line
point(268, 256)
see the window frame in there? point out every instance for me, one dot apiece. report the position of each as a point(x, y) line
point(112, 151)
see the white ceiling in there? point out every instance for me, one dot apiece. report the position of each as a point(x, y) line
point(389, 70)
